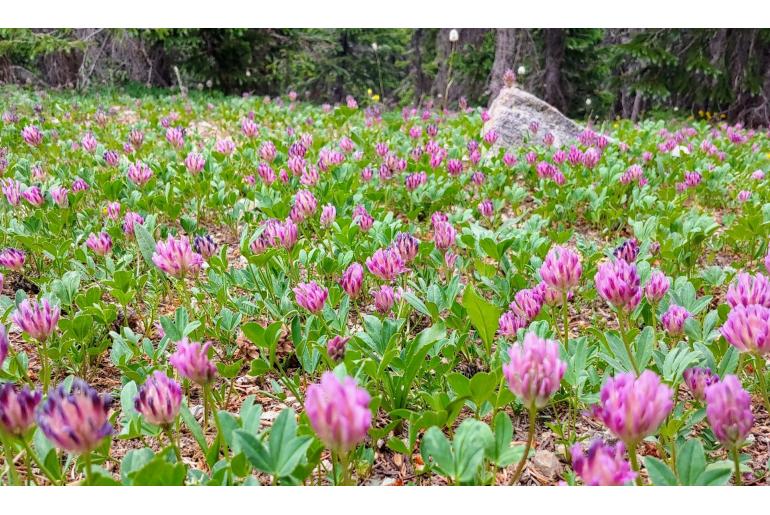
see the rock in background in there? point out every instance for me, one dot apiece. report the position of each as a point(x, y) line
point(514, 109)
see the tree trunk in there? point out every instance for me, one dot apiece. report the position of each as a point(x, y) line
point(443, 50)
point(504, 48)
point(418, 74)
point(555, 46)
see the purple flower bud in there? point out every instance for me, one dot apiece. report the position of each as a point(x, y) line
point(407, 246)
point(335, 347)
point(37, 319)
point(454, 167)
point(728, 408)
point(386, 264)
point(311, 296)
point(5, 345)
point(339, 412)
point(628, 250)
point(328, 214)
point(249, 128)
point(112, 210)
point(437, 218)
point(384, 298)
point(17, 408)
point(111, 157)
point(205, 246)
point(12, 191)
point(633, 408)
point(59, 196)
point(136, 138)
point(89, 143)
point(79, 185)
point(267, 151)
point(194, 163)
point(159, 399)
point(12, 259)
point(749, 289)
point(527, 303)
point(674, 318)
point(656, 286)
point(449, 259)
point(287, 234)
point(748, 328)
point(100, 244)
point(697, 379)
point(224, 146)
point(618, 283)
point(604, 465)
point(192, 362)
point(129, 221)
point(34, 196)
point(362, 218)
point(352, 279)
point(444, 235)
point(486, 208)
point(510, 323)
point(535, 370)
point(139, 173)
point(32, 135)
point(561, 269)
point(176, 258)
point(75, 421)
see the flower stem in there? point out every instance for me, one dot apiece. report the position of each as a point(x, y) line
point(565, 315)
point(635, 463)
point(44, 369)
point(205, 407)
point(737, 463)
point(220, 434)
point(172, 440)
point(13, 475)
point(345, 466)
point(37, 461)
point(530, 439)
point(759, 365)
point(89, 477)
point(624, 336)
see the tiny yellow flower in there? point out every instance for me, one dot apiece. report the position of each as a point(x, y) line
point(700, 112)
point(376, 98)
point(369, 91)
point(615, 125)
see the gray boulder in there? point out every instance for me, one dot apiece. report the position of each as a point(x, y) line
point(513, 110)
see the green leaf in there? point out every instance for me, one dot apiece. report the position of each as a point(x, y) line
point(471, 441)
point(285, 447)
point(659, 472)
point(194, 427)
point(437, 452)
point(691, 462)
point(483, 315)
point(483, 386)
point(159, 472)
point(133, 461)
point(504, 454)
point(146, 244)
point(716, 474)
point(285, 450)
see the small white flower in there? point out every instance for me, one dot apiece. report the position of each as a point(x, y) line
point(522, 70)
point(454, 35)
point(374, 46)
point(588, 101)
